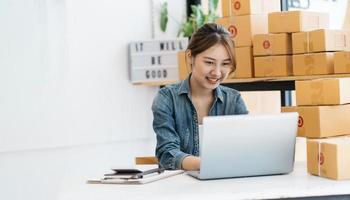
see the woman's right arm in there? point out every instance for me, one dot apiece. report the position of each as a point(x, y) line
point(191, 163)
point(168, 140)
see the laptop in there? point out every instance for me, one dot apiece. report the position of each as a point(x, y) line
point(247, 145)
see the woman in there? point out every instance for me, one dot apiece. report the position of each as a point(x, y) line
point(178, 109)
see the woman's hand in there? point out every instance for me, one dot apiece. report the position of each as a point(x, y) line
point(191, 163)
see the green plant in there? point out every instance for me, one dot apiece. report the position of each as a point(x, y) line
point(163, 16)
point(197, 19)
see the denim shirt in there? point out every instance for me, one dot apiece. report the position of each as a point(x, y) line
point(175, 120)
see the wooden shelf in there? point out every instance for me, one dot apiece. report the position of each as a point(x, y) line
point(285, 78)
point(156, 83)
point(249, 80)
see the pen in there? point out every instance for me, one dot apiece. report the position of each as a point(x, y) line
point(138, 175)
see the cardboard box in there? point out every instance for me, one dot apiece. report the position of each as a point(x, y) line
point(272, 44)
point(300, 42)
point(321, 40)
point(332, 91)
point(249, 7)
point(301, 129)
point(184, 69)
point(245, 63)
point(322, 121)
point(329, 157)
point(297, 21)
point(242, 28)
point(342, 62)
point(272, 66)
point(313, 64)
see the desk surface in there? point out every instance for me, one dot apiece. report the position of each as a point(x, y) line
point(297, 184)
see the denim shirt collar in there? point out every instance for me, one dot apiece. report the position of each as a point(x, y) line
point(185, 89)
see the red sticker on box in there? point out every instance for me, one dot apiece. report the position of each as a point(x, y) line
point(237, 5)
point(320, 158)
point(300, 121)
point(233, 30)
point(266, 44)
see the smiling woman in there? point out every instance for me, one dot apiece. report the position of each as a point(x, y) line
point(178, 109)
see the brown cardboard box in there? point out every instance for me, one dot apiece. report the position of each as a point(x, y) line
point(301, 129)
point(244, 27)
point(184, 69)
point(332, 91)
point(313, 64)
point(329, 40)
point(342, 62)
point(329, 157)
point(322, 121)
point(321, 40)
point(300, 42)
point(297, 21)
point(272, 44)
point(249, 7)
point(245, 63)
point(272, 66)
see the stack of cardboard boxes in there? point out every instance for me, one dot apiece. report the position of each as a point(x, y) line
point(324, 110)
point(243, 19)
point(314, 50)
point(274, 44)
point(273, 51)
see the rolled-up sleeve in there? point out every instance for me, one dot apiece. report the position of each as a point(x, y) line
point(240, 107)
point(168, 140)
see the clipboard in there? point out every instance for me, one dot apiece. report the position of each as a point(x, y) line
point(137, 181)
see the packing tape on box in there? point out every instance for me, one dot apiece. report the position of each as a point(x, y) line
point(320, 158)
point(309, 63)
point(269, 71)
point(311, 47)
point(306, 43)
point(317, 92)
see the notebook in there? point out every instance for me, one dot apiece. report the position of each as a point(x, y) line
point(141, 174)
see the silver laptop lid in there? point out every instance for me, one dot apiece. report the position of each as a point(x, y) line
point(247, 145)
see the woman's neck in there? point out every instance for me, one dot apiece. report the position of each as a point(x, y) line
point(199, 91)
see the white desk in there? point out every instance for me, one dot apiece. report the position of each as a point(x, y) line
point(297, 184)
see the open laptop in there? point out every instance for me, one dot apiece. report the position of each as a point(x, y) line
point(247, 145)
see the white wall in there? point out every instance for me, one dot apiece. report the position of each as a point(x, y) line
point(64, 76)
point(64, 84)
point(335, 9)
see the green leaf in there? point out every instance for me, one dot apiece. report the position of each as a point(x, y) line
point(186, 29)
point(198, 18)
point(213, 5)
point(163, 16)
point(211, 18)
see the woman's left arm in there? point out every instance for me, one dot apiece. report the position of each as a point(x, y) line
point(240, 107)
